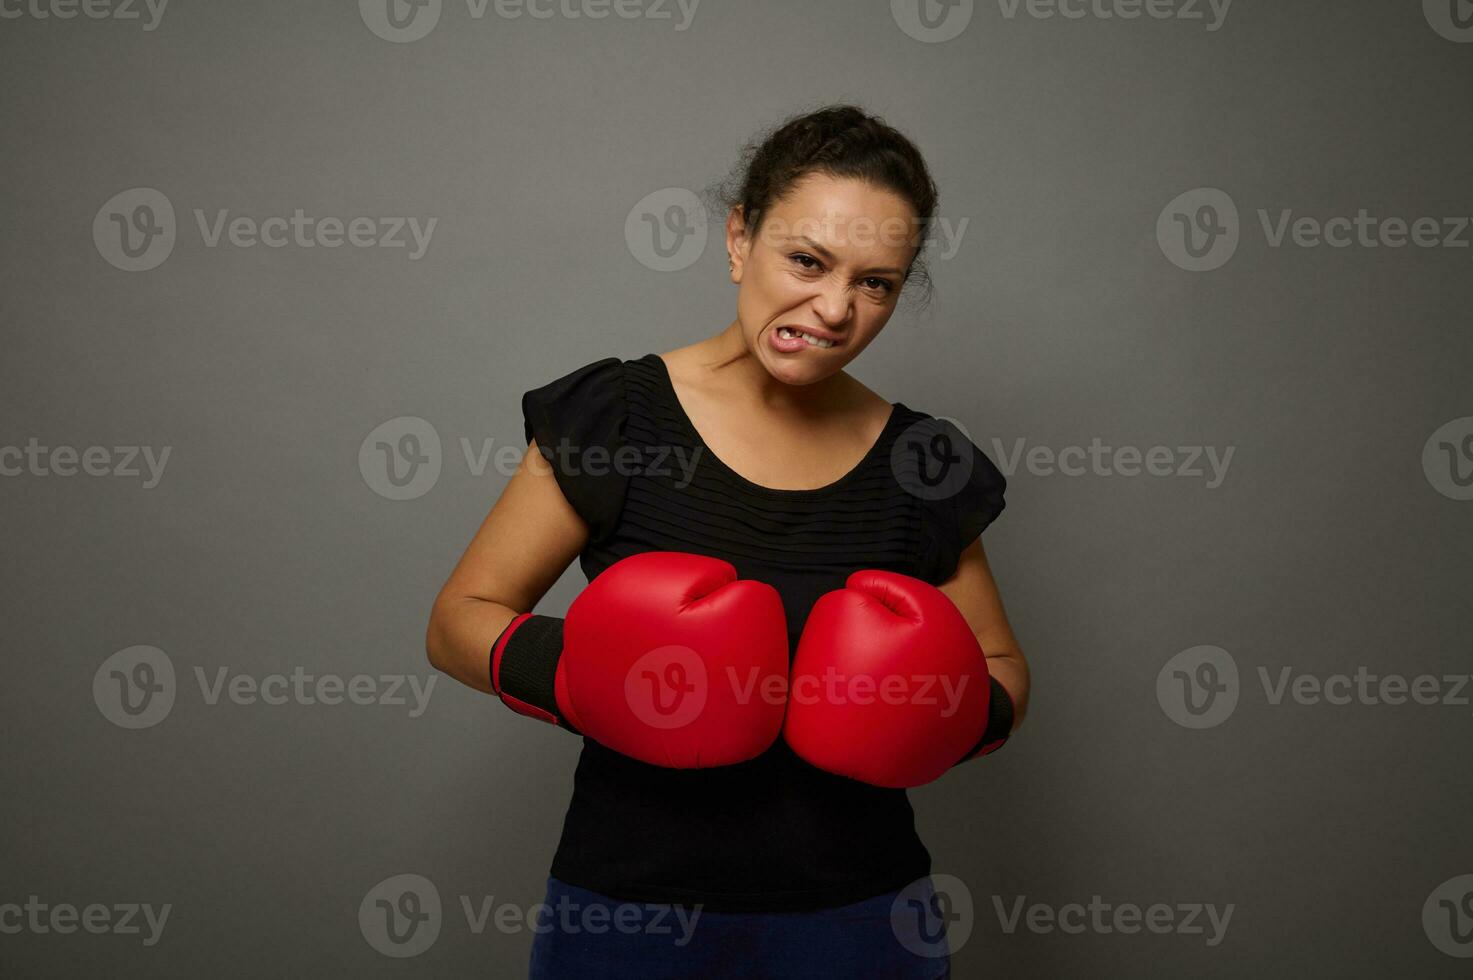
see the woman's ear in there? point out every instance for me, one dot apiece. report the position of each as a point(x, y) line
point(737, 243)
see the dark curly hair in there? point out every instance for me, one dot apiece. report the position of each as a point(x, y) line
point(841, 141)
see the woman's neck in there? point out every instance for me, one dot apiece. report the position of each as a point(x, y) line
point(725, 364)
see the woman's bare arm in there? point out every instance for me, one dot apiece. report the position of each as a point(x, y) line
point(974, 592)
point(527, 541)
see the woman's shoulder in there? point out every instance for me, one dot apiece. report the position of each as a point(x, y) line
point(586, 397)
point(597, 377)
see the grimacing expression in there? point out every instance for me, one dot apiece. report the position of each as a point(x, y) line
point(823, 275)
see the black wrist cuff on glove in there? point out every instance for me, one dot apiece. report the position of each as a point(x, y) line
point(528, 670)
point(999, 720)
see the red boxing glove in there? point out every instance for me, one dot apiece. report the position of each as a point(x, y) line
point(665, 657)
point(889, 685)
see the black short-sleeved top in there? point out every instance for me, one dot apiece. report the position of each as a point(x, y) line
point(772, 834)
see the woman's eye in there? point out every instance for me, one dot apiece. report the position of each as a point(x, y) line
point(885, 286)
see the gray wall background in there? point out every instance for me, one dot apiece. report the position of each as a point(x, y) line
point(1338, 539)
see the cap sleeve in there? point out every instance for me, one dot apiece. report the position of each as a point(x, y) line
point(981, 498)
point(578, 421)
point(962, 495)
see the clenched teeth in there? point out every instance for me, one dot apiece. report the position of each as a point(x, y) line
point(789, 332)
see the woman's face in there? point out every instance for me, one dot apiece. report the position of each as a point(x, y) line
point(829, 262)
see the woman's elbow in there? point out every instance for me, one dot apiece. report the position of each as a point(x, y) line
point(436, 641)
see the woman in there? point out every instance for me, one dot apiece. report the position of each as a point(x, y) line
point(752, 447)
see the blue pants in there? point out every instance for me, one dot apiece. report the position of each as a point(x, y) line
point(583, 935)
